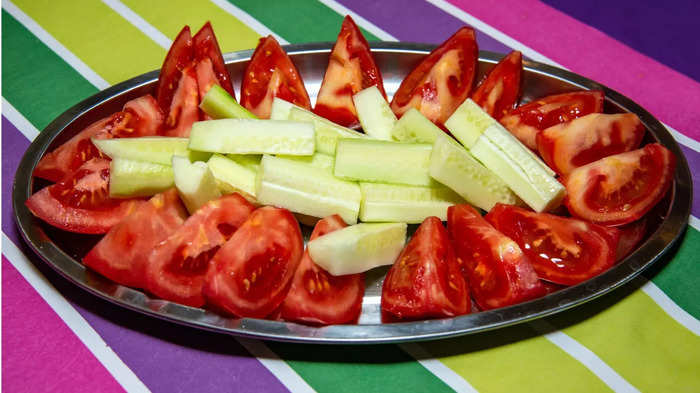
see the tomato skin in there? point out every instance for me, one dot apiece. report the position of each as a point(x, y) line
point(177, 266)
point(425, 280)
point(123, 252)
point(567, 146)
point(271, 73)
point(180, 55)
point(526, 121)
point(621, 188)
point(184, 109)
point(499, 91)
point(351, 68)
point(430, 89)
point(562, 250)
point(630, 236)
point(210, 62)
point(499, 274)
point(319, 298)
point(252, 271)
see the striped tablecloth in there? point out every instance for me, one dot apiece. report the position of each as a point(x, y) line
point(55, 337)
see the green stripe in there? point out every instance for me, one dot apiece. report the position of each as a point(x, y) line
point(312, 20)
point(358, 369)
point(34, 79)
point(106, 42)
point(515, 359)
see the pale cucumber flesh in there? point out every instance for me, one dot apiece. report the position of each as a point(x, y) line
point(375, 115)
point(280, 109)
point(409, 204)
point(250, 161)
point(232, 177)
point(327, 132)
point(156, 149)
point(194, 182)
point(218, 104)
point(468, 123)
point(318, 160)
point(130, 178)
point(413, 127)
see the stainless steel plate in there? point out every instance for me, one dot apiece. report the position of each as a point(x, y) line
point(63, 251)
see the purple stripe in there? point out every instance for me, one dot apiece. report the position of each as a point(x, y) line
point(416, 21)
point(14, 143)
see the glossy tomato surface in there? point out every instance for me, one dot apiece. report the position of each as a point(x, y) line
point(316, 296)
point(442, 80)
point(630, 236)
point(252, 271)
point(179, 56)
point(620, 188)
point(562, 250)
point(499, 274)
point(184, 108)
point(210, 67)
point(499, 91)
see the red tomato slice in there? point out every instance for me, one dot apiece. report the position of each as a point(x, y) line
point(80, 203)
point(140, 117)
point(567, 146)
point(123, 253)
point(425, 281)
point(498, 272)
point(269, 74)
point(562, 250)
point(442, 81)
point(184, 109)
point(317, 297)
point(177, 266)
point(526, 121)
point(630, 236)
point(179, 56)
point(621, 188)
point(499, 91)
point(351, 68)
point(210, 68)
point(252, 270)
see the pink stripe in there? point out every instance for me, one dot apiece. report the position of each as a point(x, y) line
point(667, 94)
point(39, 352)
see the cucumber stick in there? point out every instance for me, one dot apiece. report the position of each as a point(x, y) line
point(156, 149)
point(409, 204)
point(306, 189)
point(218, 104)
point(415, 128)
point(231, 176)
point(376, 161)
point(194, 182)
point(250, 161)
point(280, 109)
point(319, 160)
point(358, 248)
point(251, 136)
point(327, 132)
point(375, 115)
point(131, 178)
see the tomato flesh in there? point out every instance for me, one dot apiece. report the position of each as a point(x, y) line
point(562, 250)
point(210, 62)
point(441, 81)
point(179, 56)
point(499, 91)
point(425, 281)
point(184, 109)
point(351, 68)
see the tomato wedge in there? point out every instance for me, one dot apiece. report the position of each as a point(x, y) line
point(210, 68)
point(184, 109)
point(425, 281)
point(123, 253)
point(179, 56)
point(620, 188)
point(269, 74)
point(499, 274)
point(140, 117)
point(526, 121)
point(177, 266)
point(80, 203)
point(567, 146)
point(499, 91)
point(630, 236)
point(442, 80)
point(351, 68)
point(253, 269)
point(316, 296)
point(562, 250)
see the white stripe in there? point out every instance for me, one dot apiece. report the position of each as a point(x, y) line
point(694, 222)
point(278, 367)
point(140, 23)
point(362, 22)
point(72, 318)
point(687, 141)
point(54, 45)
point(672, 309)
point(585, 356)
point(248, 20)
point(438, 368)
point(19, 121)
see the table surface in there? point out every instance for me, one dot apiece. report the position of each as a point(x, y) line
point(56, 337)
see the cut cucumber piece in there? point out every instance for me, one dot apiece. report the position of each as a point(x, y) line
point(306, 189)
point(327, 132)
point(131, 178)
point(280, 109)
point(409, 204)
point(232, 177)
point(358, 248)
point(371, 160)
point(194, 182)
point(250, 136)
point(218, 104)
point(156, 149)
point(319, 160)
point(375, 115)
point(415, 128)
point(452, 165)
point(250, 161)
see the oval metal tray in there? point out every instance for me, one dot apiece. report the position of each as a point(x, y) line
point(63, 251)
